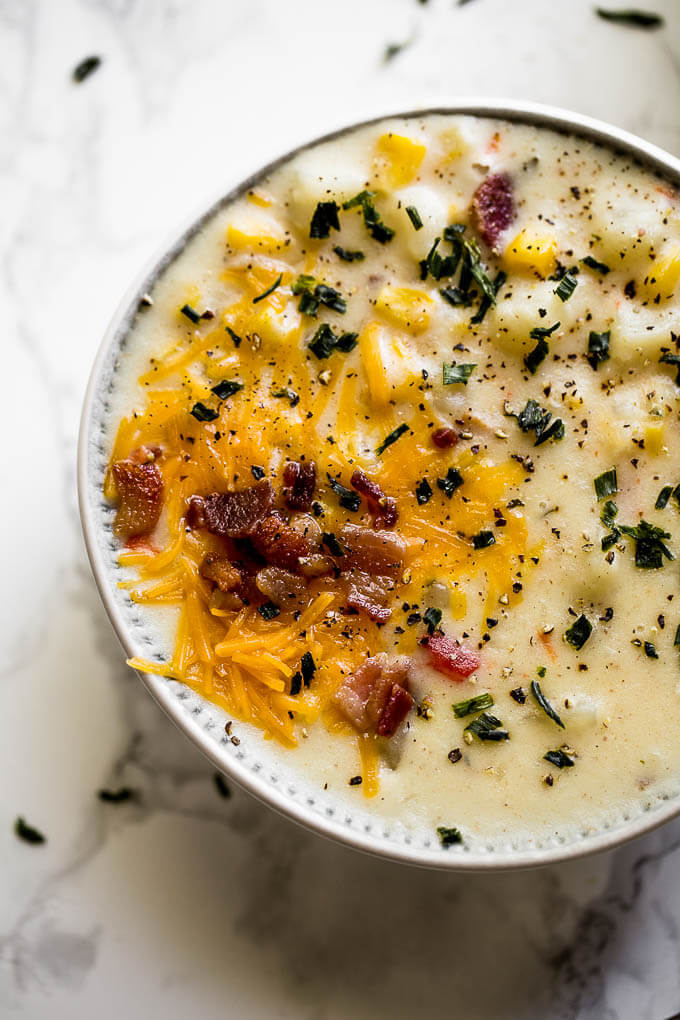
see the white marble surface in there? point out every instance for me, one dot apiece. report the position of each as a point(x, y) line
point(185, 903)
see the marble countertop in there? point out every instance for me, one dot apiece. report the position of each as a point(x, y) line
point(183, 902)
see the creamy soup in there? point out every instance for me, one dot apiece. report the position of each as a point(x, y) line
point(394, 467)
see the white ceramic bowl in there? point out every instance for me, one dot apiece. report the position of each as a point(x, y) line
point(259, 766)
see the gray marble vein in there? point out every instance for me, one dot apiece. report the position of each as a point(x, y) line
point(180, 901)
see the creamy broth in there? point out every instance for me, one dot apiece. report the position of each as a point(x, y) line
point(513, 556)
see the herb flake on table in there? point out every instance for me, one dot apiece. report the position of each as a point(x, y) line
point(579, 632)
point(28, 833)
point(449, 836)
point(221, 785)
point(118, 796)
point(85, 68)
point(544, 703)
point(632, 17)
point(476, 704)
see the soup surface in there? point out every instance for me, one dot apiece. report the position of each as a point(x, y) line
point(393, 455)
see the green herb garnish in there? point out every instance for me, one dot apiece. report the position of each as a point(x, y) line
point(676, 639)
point(579, 632)
point(598, 348)
point(476, 704)
point(672, 359)
point(324, 219)
point(391, 438)
point(414, 217)
point(287, 394)
point(348, 256)
point(85, 68)
point(423, 492)
point(534, 419)
point(190, 313)
point(559, 758)
point(203, 413)
point(325, 341)
point(313, 294)
point(268, 610)
point(606, 484)
point(544, 703)
point(448, 836)
point(296, 683)
point(234, 336)
point(631, 16)
point(269, 290)
point(372, 221)
point(226, 388)
point(307, 667)
point(26, 832)
point(650, 650)
point(567, 285)
point(649, 544)
point(663, 497)
point(483, 539)
point(348, 499)
point(536, 356)
point(453, 373)
point(450, 483)
point(541, 332)
point(432, 617)
point(592, 263)
point(487, 727)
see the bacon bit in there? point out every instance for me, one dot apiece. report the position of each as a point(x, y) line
point(231, 514)
point(139, 485)
point(375, 552)
point(375, 697)
point(444, 438)
point(369, 594)
point(447, 656)
point(279, 544)
point(493, 206)
point(141, 543)
point(221, 572)
point(382, 508)
point(299, 479)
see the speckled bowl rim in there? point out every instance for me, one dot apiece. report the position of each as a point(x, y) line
point(185, 708)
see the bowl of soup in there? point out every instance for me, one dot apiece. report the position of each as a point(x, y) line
point(380, 488)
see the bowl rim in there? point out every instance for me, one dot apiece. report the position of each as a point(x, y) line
point(517, 111)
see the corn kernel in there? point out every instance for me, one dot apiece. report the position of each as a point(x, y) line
point(252, 238)
point(531, 251)
point(398, 159)
point(405, 307)
point(654, 439)
point(664, 274)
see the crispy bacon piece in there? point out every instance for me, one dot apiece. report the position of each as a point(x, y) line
point(382, 508)
point(375, 698)
point(280, 544)
point(139, 485)
point(221, 572)
point(447, 656)
point(231, 514)
point(369, 595)
point(299, 480)
point(444, 438)
point(374, 552)
point(493, 205)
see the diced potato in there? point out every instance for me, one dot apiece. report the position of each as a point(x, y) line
point(663, 274)
point(405, 307)
point(453, 143)
point(531, 251)
point(511, 320)
point(626, 230)
point(398, 159)
point(432, 210)
point(643, 330)
point(390, 369)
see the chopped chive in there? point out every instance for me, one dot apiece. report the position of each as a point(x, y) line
point(567, 285)
point(289, 395)
point(606, 484)
point(414, 216)
point(476, 704)
point(391, 438)
point(542, 332)
point(559, 758)
point(330, 541)
point(268, 610)
point(544, 703)
point(453, 373)
point(432, 617)
point(346, 342)
point(269, 290)
point(485, 303)
point(190, 313)
point(324, 220)
point(226, 388)
point(650, 650)
point(534, 418)
point(592, 263)
point(650, 548)
point(203, 413)
point(330, 297)
point(28, 833)
point(632, 17)
point(372, 221)
point(448, 836)
point(450, 483)
point(234, 336)
point(579, 632)
point(610, 512)
point(537, 355)
point(672, 359)
point(487, 727)
point(483, 539)
point(348, 256)
point(598, 348)
point(85, 68)
point(221, 785)
point(296, 683)
point(307, 667)
point(323, 341)
point(348, 499)
point(455, 296)
point(663, 497)
point(119, 796)
point(423, 492)
point(676, 639)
